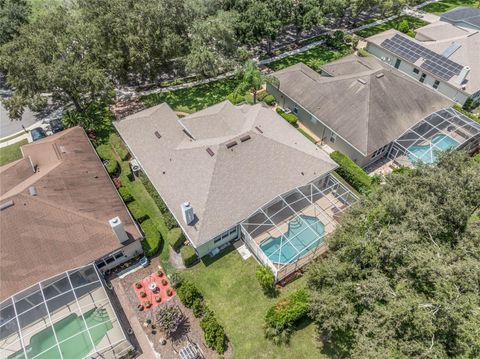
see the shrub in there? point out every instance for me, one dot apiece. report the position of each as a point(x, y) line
point(290, 117)
point(176, 238)
point(236, 98)
point(261, 95)
point(169, 318)
point(170, 221)
point(404, 26)
point(105, 152)
point(249, 98)
point(266, 278)
point(119, 146)
point(198, 308)
point(152, 236)
point(137, 212)
point(188, 293)
point(352, 173)
point(288, 310)
point(113, 168)
point(363, 53)
point(213, 332)
point(182, 108)
point(189, 256)
point(153, 193)
point(269, 100)
point(125, 194)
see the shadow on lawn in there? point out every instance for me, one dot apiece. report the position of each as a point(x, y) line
point(207, 260)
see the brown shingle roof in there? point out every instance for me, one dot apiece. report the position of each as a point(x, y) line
point(66, 224)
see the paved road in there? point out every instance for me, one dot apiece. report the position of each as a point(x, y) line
point(9, 127)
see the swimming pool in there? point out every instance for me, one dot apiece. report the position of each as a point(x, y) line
point(302, 240)
point(76, 347)
point(426, 153)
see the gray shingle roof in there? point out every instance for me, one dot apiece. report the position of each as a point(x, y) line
point(460, 14)
point(369, 105)
point(225, 188)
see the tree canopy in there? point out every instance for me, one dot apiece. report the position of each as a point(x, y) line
point(402, 275)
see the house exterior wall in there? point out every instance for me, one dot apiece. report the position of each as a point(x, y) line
point(407, 68)
point(222, 239)
point(119, 256)
point(326, 135)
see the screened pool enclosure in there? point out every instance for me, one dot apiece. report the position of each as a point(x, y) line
point(68, 316)
point(289, 231)
point(443, 130)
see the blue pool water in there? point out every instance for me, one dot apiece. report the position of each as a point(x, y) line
point(306, 240)
point(425, 153)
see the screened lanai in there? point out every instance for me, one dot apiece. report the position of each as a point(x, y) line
point(443, 130)
point(68, 316)
point(289, 231)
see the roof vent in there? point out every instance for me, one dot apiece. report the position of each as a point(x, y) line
point(6, 205)
point(62, 149)
point(158, 134)
point(362, 81)
point(380, 75)
point(32, 190)
point(245, 138)
point(187, 212)
point(231, 144)
point(118, 229)
point(210, 152)
point(258, 129)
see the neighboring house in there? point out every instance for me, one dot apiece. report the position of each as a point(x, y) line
point(358, 105)
point(60, 215)
point(216, 167)
point(445, 55)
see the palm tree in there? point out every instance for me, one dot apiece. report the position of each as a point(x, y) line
point(252, 80)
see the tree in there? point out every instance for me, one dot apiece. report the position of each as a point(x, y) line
point(13, 14)
point(55, 54)
point(399, 280)
point(266, 278)
point(306, 14)
point(252, 79)
point(169, 318)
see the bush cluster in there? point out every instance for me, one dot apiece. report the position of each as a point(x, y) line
point(188, 293)
point(137, 212)
point(113, 167)
point(189, 256)
point(352, 173)
point(213, 332)
point(290, 117)
point(125, 194)
point(269, 100)
point(176, 238)
point(104, 152)
point(152, 235)
point(119, 146)
point(266, 278)
point(289, 310)
point(236, 98)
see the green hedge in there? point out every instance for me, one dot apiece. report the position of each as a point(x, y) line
point(290, 117)
point(137, 212)
point(289, 310)
point(119, 146)
point(235, 98)
point(189, 256)
point(125, 194)
point(363, 53)
point(170, 221)
point(113, 168)
point(105, 152)
point(153, 236)
point(176, 238)
point(352, 173)
point(213, 332)
point(269, 100)
point(153, 193)
point(188, 293)
point(261, 95)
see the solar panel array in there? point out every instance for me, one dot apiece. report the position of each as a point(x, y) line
point(433, 62)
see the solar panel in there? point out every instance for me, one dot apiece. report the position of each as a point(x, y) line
point(411, 51)
point(454, 46)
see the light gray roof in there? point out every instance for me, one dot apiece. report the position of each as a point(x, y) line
point(439, 36)
point(225, 188)
point(461, 14)
point(369, 105)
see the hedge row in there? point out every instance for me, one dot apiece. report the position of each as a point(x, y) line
point(106, 154)
point(176, 238)
point(125, 194)
point(189, 256)
point(119, 146)
point(290, 117)
point(137, 212)
point(352, 173)
point(153, 236)
point(213, 332)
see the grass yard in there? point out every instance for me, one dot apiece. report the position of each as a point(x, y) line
point(194, 98)
point(440, 7)
point(414, 22)
point(314, 58)
point(232, 291)
point(11, 153)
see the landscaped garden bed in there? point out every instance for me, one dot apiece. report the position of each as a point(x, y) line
point(413, 23)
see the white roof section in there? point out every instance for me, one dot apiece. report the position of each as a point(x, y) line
point(225, 160)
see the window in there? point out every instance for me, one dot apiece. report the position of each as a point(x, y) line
point(422, 78)
point(416, 71)
point(218, 239)
point(118, 255)
point(380, 151)
point(397, 63)
point(333, 137)
point(100, 264)
point(295, 110)
point(233, 230)
point(109, 260)
point(225, 235)
point(435, 84)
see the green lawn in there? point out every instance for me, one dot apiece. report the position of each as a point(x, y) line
point(444, 6)
point(232, 291)
point(314, 58)
point(194, 98)
point(414, 22)
point(11, 153)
